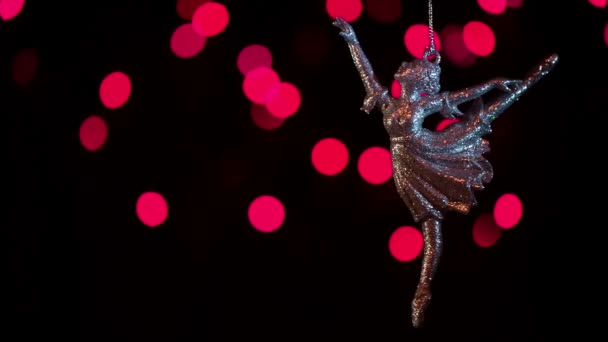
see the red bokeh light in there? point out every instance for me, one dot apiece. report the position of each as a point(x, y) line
point(9, 9)
point(515, 3)
point(93, 133)
point(395, 89)
point(253, 56)
point(186, 8)
point(405, 244)
point(329, 156)
point(375, 165)
point(152, 209)
point(115, 90)
point(25, 65)
point(454, 48)
point(263, 119)
point(258, 83)
point(417, 38)
point(485, 231)
point(383, 11)
point(508, 211)
point(606, 34)
point(186, 43)
point(266, 213)
point(283, 100)
point(479, 38)
point(210, 19)
point(349, 10)
point(445, 123)
point(493, 6)
point(598, 3)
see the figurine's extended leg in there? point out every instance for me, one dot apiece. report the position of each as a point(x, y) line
point(433, 242)
point(502, 103)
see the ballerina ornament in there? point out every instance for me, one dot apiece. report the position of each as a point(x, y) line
point(435, 171)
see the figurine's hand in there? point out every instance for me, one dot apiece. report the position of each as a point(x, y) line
point(346, 31)
point(507, 85)
point(369, 103)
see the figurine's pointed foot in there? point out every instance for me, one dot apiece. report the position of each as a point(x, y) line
point(421, 301)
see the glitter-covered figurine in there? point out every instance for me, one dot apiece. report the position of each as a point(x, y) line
point(436, 171)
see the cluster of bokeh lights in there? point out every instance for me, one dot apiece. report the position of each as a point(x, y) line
point(273, 101)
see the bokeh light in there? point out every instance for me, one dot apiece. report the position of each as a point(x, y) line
point(258, 83)
point(445, 123)
point(485, 231)
point(115, 90)
point(253, 56)
point(349, 10)
point(329, 156)
point(508, 211)
point(24, 66)
point(454, 48)
point(9, 9)
point(405, 244)
point(515, 3)
point(395, 89)
point(283, 100)
point(606, 34)
point(493, 6)
point(152, 209)
point(210, 19)
point(479, 38)
point(93, 133)
point(375, 165)
point(263, 119)
point(266, 213)
point(598, 3)
point(417, 38)
point(185, 43)
point(383, 11)
point(186, 8)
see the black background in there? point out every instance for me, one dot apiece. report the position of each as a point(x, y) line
point(80, 264)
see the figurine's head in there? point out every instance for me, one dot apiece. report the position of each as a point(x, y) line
point(421, 75)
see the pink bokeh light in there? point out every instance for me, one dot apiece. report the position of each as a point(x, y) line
point(405, 244)
point(479, 38)
point(416, 39)
point(485, 231)
point(598, 3)
point(263, 119)
point(186, 8)
point(445, 123)
point(395, 89)
point(93, 133)
point(9, 9)
point(349, 10)
point(383, 11)
point(115, 90)
point(258, 83)
point(185, 43)
point(24, 66)
point(493, 6)
point(375, 165)
point(253, 56)
point(454, 48)
point(283, 100)
point(329, 156)
point(606, 34)
point(210, 19)
point(515, 3)
point(152, 209)
point(266, 213)
point(508, 211)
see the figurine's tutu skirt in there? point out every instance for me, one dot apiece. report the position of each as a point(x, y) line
point(438, 171)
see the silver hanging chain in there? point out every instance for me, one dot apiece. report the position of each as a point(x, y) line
point(431, 31)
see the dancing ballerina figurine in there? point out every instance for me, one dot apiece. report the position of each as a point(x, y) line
point(435, 171)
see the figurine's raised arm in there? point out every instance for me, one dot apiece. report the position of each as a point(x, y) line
point(375, 92)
